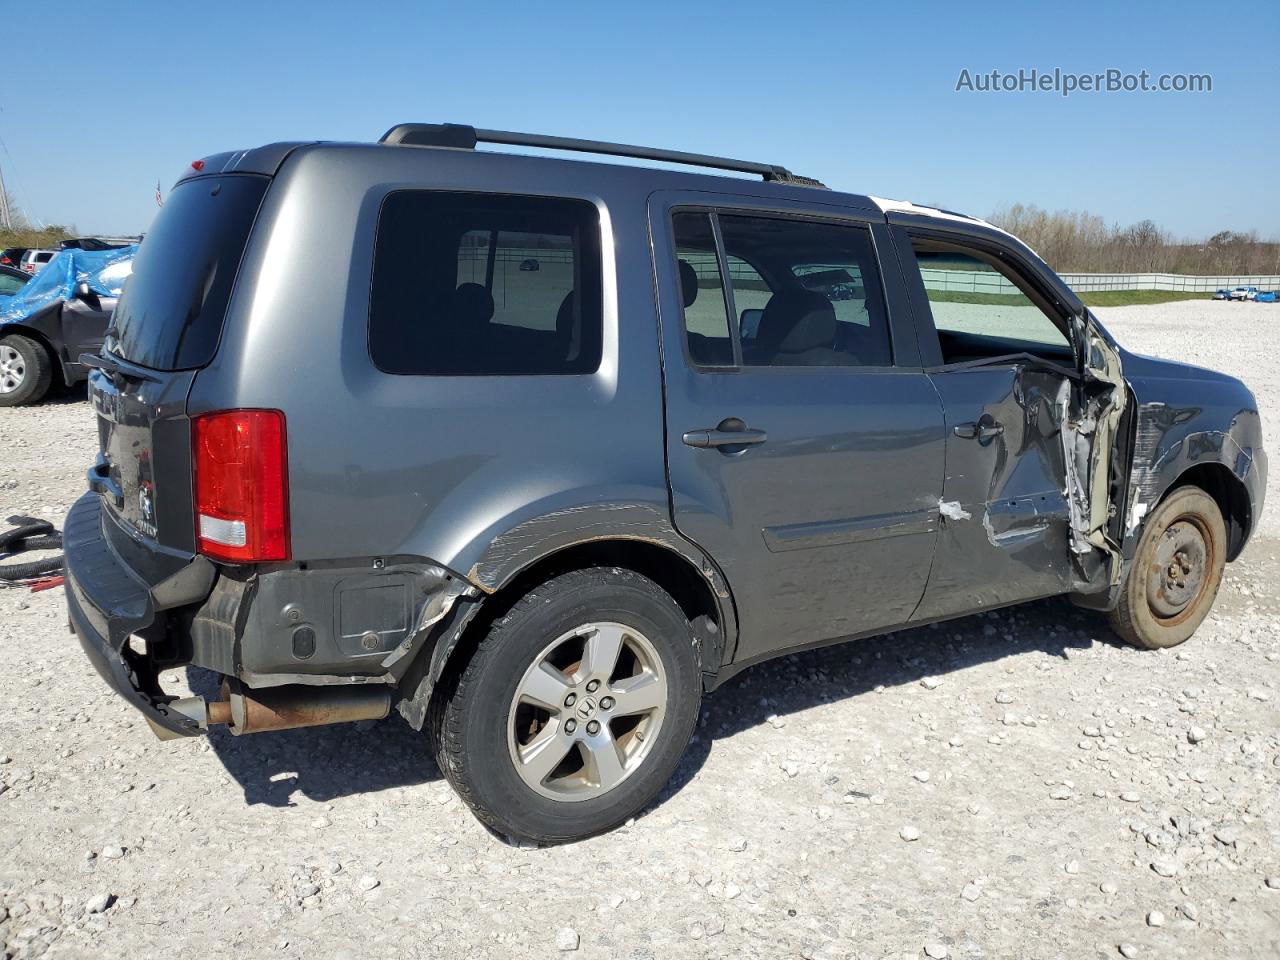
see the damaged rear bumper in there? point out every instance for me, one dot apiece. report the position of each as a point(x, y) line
point(107, 604)
point(296, 644)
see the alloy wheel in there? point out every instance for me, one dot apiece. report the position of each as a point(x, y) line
point(13, 369)
point(587, 711)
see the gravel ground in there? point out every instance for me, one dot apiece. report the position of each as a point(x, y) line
point(1008, 785)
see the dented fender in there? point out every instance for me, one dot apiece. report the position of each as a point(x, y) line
point(1186, 417)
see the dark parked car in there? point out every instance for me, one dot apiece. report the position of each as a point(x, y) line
point(12, 280)
point(46, 342)
point(530, 265)
point(12, 256)
point(540, 515)
point(98, 243)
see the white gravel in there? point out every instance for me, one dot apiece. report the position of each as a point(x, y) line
point(345, 842)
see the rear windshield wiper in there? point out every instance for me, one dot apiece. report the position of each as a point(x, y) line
point(1029, 359)
point(110, 365)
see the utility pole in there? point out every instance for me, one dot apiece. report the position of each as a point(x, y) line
point(6, 220)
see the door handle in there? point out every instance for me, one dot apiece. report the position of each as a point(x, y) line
point(724, 438)
point(984, 430)
point(101, 482)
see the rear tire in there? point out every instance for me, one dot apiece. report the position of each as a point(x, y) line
point(574, 710)
point(26, 370)
point(1171, 584)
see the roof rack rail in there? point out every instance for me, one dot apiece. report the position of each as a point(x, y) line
point(466, 137)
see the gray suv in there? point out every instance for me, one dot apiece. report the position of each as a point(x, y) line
point(356, 458)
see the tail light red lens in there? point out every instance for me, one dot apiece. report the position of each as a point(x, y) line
point(241, 486)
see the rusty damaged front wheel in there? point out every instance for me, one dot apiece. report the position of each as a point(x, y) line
point(1176, 572)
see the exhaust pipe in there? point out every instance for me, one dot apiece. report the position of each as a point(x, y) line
point(287, 707)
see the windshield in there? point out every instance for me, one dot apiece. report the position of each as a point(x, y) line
point(170, 316)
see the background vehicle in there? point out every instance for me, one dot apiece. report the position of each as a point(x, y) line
point(33, 261)
point(12, 257)
point(1244, 293)
point(549, 603)
point(52, 319)
point(1268, 296)
point(1222, 294)
point(530, 265)
point(98, 243)
point(12, 280)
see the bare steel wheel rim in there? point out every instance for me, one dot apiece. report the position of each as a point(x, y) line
point(587, 712)
point(13, 369)
point(1179, 571)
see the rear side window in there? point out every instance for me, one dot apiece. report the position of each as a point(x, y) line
point(485, 284)
point(170, 315)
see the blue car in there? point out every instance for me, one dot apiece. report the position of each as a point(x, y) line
point(1267, 296)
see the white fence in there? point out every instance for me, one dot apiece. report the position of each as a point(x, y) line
point(987, 281)
point(968, 281)
point(960, 281)
point(1089, 282)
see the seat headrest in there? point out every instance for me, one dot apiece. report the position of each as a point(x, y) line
point(796, 320)
point(688, 283)
point(472, 304)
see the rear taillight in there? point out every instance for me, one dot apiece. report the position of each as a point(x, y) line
point(241, 479)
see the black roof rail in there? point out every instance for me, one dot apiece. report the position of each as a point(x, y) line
point(466, 137)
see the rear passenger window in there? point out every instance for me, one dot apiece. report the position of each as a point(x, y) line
point(485, 284)
point(803, 294)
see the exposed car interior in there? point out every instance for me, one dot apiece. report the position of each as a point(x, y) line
point(457, 297)
point(981, 308)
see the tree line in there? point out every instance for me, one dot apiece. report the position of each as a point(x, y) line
point(1070, 241)
point(1078, 242)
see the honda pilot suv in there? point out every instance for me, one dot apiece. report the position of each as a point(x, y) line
point(355, 458)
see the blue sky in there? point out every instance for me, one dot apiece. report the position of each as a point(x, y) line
point(106, 98)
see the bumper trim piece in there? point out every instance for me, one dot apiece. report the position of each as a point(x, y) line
point(106, 604)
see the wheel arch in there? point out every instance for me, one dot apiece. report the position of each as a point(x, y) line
point(32, 333)
point(46, 330)
point(692, 580)
point(1228, 492)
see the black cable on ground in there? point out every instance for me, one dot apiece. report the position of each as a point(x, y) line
point(29, 533)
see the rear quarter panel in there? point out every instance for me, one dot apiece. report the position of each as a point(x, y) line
point(437, 467)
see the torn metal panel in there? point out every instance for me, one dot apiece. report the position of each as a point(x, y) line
point(1092, 411)
point(434, 609)
point(1016, 522)
point(1005, 535)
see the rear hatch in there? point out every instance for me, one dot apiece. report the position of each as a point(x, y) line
point(166, 326)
